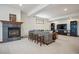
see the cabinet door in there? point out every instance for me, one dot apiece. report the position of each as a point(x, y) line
point(73, 28)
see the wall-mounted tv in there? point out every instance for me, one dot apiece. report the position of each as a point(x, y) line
point(62, 26)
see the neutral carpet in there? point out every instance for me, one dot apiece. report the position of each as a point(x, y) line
point(63, 45)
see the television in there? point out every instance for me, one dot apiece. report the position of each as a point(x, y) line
point(62, 26)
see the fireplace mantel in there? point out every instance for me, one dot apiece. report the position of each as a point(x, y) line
point(10, 22)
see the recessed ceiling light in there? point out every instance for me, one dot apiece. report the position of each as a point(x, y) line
point(20, 4)
point(65, 9)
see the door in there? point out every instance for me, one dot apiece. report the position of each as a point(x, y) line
point(52, 26)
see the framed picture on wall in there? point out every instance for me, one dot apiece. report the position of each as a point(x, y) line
point(12, 17)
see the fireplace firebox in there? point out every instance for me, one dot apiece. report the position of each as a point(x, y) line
point(14, 32)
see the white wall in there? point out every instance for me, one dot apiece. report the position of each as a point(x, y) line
point(30, 24)
point(5, 10)
point(66, 21)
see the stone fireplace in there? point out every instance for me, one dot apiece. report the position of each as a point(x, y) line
point(14, 32)
point(11, 31)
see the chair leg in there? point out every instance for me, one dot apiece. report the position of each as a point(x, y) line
point(38, 39)
point(41, 40)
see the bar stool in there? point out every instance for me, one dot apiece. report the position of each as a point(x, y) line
point(40, 40)
point(54, 36)
point(35, 37)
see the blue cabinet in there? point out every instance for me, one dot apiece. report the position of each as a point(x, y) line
point(73, 28)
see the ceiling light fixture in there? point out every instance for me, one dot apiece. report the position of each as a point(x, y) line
point(20, 4)
point(65, 9)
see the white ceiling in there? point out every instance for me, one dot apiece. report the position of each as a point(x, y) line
point(25, 7)
point(49, 11)
point(58, 10)
point(28, 7)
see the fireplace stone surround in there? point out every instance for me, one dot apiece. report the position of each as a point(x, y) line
point(11, 31)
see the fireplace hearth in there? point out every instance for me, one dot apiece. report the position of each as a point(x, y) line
point(13, 32)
